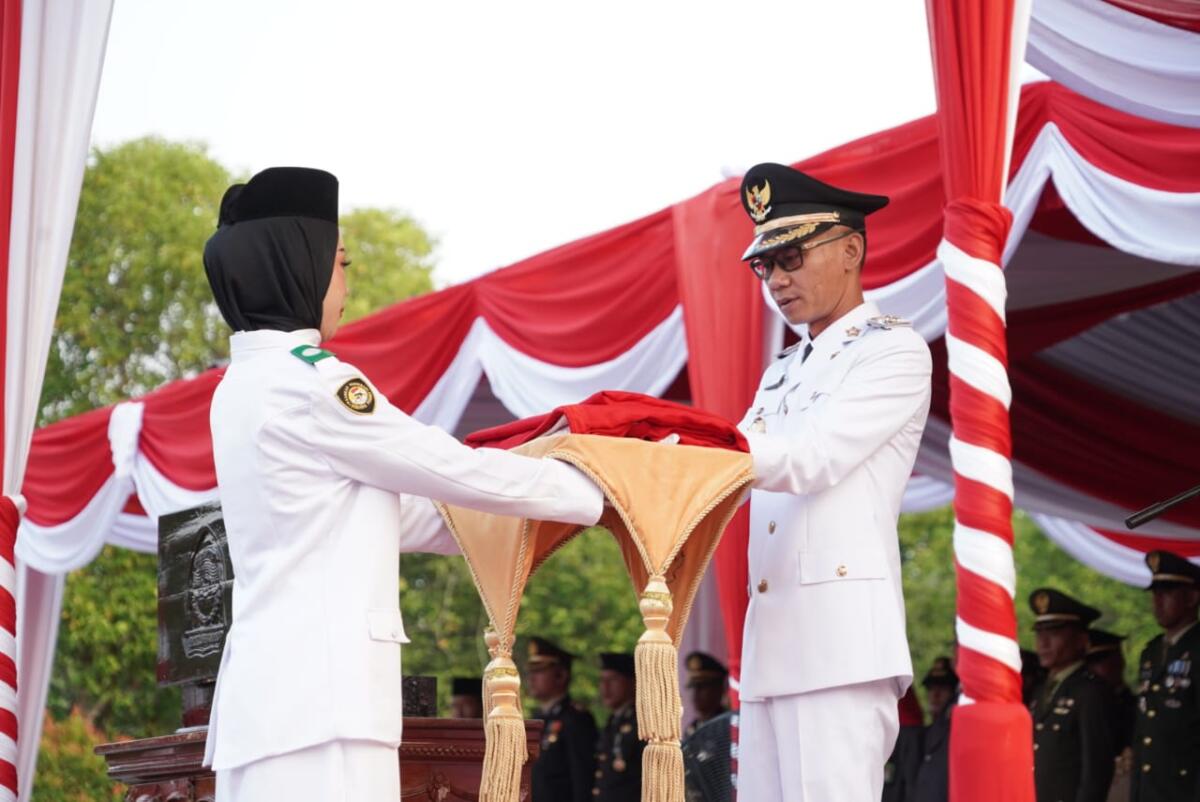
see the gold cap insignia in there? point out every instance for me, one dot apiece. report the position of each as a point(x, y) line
point(356, 396)
point(1041, 602)
point(1153, 561)
point(759, 199)
point(695, 664)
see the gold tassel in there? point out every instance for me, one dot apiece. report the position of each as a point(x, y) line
point(659, 708)
point(656, 662)
point(662, 772)
point(505, 750)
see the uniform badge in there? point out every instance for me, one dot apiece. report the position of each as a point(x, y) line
point(853, 331)
point(759, 199)
point(1041, 602)
point(356, 396)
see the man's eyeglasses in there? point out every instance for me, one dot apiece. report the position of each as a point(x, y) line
point(791, 258)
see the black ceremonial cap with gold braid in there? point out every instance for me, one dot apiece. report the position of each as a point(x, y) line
point(1101, 643)
point(1168, 570)
point(620, 662)
point(544, 653)
point(703, 668)
point(788, 206)
point(1056, 609)
point(940, 673)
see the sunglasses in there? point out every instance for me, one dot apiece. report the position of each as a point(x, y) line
point(791, 258)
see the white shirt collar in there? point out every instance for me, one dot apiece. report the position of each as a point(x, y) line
point(856, 318)
point(241, 343)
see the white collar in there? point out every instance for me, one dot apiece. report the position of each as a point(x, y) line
point(243, 342)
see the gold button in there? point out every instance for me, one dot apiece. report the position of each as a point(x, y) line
point(1040, 726)
point(1146, 740)
point(1151, 713)
point(1155, 687)
point(1056, 728)
point(1145, 768)
point(595, 792)
point(841, 570)
point(771, 527)
point(1035, 747)
point(1183, 772)
point(599, 774)
point(762, 586)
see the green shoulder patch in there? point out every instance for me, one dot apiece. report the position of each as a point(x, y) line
point(310, 353)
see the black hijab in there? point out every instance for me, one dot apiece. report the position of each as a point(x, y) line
point(271, 260)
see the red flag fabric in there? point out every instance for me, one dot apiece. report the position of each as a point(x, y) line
point(620, 414)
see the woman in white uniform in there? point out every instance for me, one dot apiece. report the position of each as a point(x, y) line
point(322, 484)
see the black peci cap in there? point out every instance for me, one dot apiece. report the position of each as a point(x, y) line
point(282, 192)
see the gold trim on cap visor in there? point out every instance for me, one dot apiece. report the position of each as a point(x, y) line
point(798, 219)
point(1057, 617)
point(1187, 580)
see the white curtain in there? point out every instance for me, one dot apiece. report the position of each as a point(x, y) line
point(1118, 58)
point(62, 50)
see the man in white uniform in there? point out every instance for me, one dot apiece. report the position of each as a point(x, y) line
point(833, 432)
point(323, 483)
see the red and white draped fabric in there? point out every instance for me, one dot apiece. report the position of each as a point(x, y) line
point(51, 53)
point(977, 46)
point(1103, 308)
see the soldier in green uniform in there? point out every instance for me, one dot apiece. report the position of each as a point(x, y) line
point(1072, 709)
point(1166, 733)
point(466, 697)
point(708, 680)
point(706, 740)
point(933, 776)
point(1106, 660)
point(563, 770)
point(618, 750)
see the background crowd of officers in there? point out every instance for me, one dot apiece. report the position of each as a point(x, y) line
point(1095, 739)
point(579, 762)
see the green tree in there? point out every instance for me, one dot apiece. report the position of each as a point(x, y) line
point(68, 769)
point(135, 309)
point(391, 259)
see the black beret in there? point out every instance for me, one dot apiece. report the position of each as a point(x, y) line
point(1056, 609)
point(620, 662)
point(788, 206)
point(544, 653)
point(466, 686)
point(703, 668)
point(940, 673)
point(1169, 570)
point(282, 192)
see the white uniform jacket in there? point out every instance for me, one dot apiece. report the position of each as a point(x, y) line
point(321, 489)
point(833, 440)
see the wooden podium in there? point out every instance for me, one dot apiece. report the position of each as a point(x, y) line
point(439, 759)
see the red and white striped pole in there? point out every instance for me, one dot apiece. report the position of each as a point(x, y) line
point(977, 46)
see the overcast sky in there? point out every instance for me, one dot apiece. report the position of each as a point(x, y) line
point(509, 128)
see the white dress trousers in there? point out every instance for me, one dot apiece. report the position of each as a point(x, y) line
point(822, 746)
point(337, 771)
